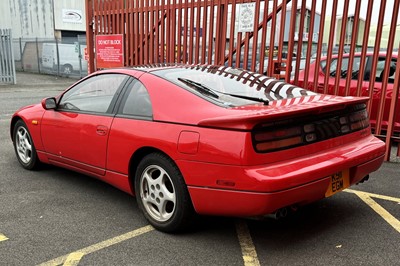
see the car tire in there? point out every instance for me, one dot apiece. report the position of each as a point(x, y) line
point(24, 146)
point(67, 69)
point(162, 194)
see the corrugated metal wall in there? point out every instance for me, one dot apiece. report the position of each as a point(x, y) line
point(28, 19)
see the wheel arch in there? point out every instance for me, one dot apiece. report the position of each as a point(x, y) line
point(181, 211)
point(135, 160)
point(14, 120)
point(30, 160)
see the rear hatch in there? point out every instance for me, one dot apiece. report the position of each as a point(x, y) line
point(298, 126)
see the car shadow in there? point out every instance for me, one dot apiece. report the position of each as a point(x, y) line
point(307, 222)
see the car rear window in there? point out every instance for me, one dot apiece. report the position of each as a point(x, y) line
point(227, 80)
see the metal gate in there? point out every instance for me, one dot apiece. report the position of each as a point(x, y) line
point(7, 64)
point(295, 40)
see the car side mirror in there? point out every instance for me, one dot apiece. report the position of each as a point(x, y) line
point(49, 103)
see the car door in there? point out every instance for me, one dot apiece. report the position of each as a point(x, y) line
point(132, 127)
point(75, 134)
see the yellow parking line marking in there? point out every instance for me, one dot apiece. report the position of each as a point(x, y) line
point(101, 245)
point(73, 259)
point(246, 244)
point(379, 210)
point(374, 195)
point(3, 237)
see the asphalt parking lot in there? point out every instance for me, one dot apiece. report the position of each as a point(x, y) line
point(57, 217)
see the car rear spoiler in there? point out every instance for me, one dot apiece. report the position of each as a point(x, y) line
point(278, 110)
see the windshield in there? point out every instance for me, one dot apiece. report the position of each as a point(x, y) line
point(228, 83)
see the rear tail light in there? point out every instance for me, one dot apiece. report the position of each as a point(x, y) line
point(355, 121)
point(291, 133)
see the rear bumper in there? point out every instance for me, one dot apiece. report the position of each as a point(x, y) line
point(254, 191)
point(213, 201)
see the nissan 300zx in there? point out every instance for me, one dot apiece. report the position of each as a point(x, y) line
point(211, 140)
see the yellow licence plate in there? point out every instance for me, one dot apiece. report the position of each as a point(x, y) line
point(338, 181)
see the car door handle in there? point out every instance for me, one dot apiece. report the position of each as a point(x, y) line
point(101, 130)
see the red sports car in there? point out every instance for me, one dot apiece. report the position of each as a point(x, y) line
point(210, 140)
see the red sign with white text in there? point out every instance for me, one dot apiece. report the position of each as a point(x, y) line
point(109, 51)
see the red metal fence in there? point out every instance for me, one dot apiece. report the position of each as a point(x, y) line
point(330, 46)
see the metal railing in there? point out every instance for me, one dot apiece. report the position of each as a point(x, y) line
point(7, 66)
point(329, 46)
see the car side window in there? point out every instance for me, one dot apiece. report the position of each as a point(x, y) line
point(93, 94)
point(137, 101)
point(323, 65)
point(380, 70)
point(344, 68)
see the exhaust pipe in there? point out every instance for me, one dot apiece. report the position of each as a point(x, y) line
point(364, 179)
point(282, 213)
point(279, 214)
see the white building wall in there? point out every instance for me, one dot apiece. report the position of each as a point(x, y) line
point(28, 18)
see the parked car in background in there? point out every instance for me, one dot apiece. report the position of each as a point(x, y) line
point(210, 140)
point(68, 55)
point(323, 70)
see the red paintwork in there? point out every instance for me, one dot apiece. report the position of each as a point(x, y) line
point(223, 173)
point(220, 201)
point(61, 129)
point(353, 90)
